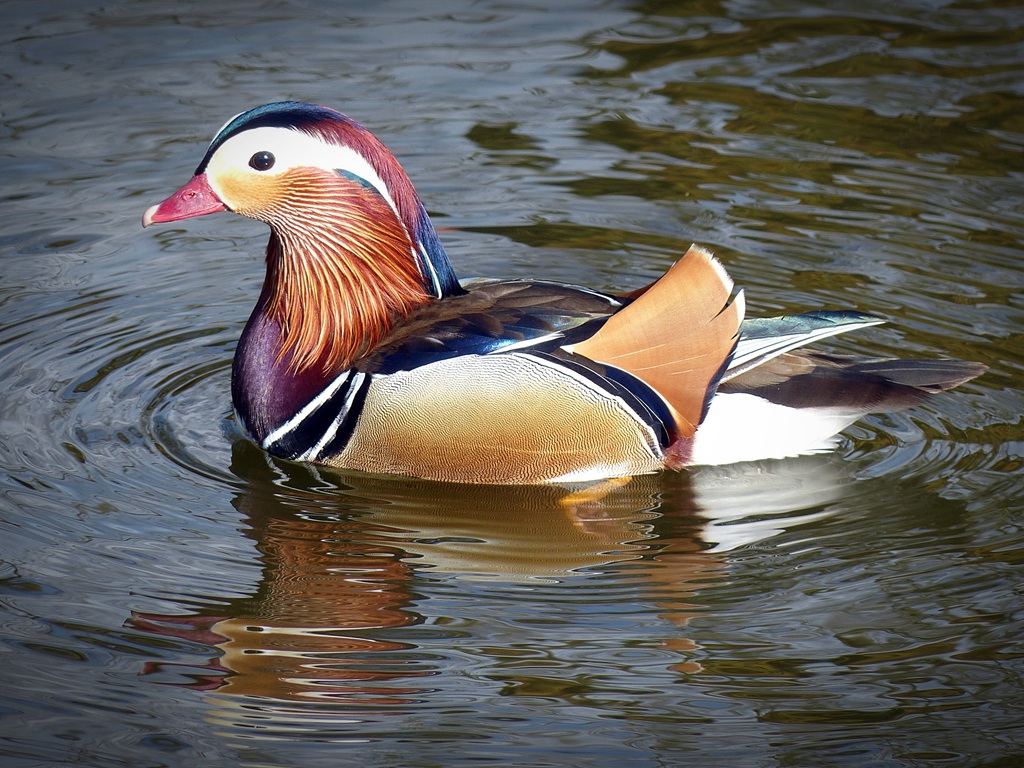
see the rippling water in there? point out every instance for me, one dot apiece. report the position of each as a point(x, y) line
point(170, 596)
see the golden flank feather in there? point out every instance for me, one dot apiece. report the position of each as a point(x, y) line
point(676, 335)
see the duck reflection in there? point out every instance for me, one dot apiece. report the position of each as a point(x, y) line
point(343, 557)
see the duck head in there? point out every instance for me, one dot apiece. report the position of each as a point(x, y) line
point(351, 249)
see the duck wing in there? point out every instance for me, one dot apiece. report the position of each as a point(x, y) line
point(805, 379)
point(493, 316)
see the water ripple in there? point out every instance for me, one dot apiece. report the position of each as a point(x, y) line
point(158, 568)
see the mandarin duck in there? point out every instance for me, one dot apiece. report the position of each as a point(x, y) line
point(365, 352)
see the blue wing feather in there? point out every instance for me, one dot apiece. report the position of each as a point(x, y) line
point(492, 317)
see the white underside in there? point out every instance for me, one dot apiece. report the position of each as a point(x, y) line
point(742, 427)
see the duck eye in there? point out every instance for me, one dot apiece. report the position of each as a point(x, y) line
point(261, 161)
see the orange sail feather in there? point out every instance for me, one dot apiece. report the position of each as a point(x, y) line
point(677, 336)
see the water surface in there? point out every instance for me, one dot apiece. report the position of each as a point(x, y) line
point(172, 597)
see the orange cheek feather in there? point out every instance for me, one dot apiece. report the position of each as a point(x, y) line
point(340, 267)
point(250, 194)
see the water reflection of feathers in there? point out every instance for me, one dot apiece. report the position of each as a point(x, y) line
point(345, 567)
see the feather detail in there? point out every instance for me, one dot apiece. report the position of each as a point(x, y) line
point(763, 338)
point(805, 379)
point(365, 352)
point(342, 130)
point(798, 402)
point(340, 271)
point(677, 336)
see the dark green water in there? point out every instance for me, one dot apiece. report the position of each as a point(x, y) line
point(170, 597)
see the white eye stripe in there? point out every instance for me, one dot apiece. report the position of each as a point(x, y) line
point(291, 149)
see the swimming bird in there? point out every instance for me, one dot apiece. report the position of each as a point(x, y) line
point(365, 352)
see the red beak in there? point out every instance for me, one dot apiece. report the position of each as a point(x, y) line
point(194, 199)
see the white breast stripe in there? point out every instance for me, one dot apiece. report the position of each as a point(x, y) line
point(314, 453)
point(307, 409)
